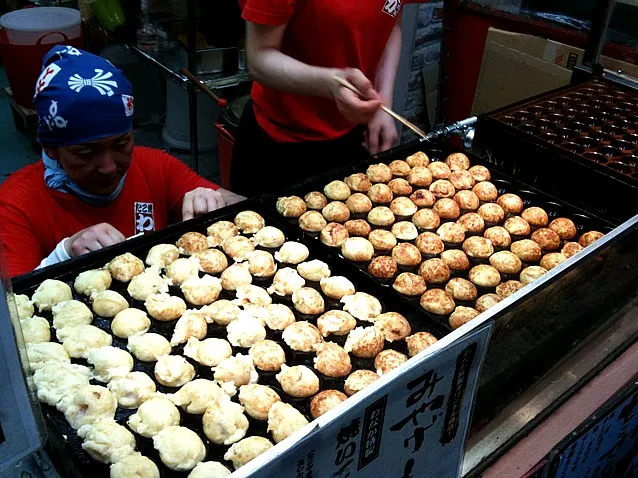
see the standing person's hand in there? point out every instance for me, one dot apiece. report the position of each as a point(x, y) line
point(200, 201)
point(92, 239)
point(353, 107)
point(381, 133)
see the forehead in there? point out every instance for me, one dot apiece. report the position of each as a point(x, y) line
point(103, 142)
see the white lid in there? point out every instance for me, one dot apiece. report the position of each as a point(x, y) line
point(41, 19)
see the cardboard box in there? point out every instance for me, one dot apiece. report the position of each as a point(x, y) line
point(517, 66)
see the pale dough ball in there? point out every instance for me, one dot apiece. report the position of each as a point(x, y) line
point(132, 389)
point(238, 370)
point(189, 325)
point(135, 466)
point(286, 282)
point(284, 420)
point(249, 222)
point(212, 261)
point(23, 305)
point(245, 331)
point(130, 322)
point(209, 469)
point(219, 231)
point(181, 269)
point(110, 362)
point(148, 282)
point(50, 293)
point(267, 355)
point(57, 379)
point(153, 416)
point(222, 312)
point(165, 307)
point(257, 400)
point(173, 370)
point(238, 247)
point(46, 352)
point(362, 306)
point(292, 252)
point(124, 267)
point(91, 281)
point(298, 381)
point(180, 449)
point(35, 330)
point(308, 301)
point(78, 341)
point(236, 276)
point(195, 396)
point(71, 313)
point(201, 290)
point(108, 303)
point(107, 441)
point(251, 295)
point(247, 450)
point(161, 255)
point(261, 263)
point(224, 421)
point(89, 404)
point(314, 270)
point(148, 347)
point(270, 237)
point(209, 352)
point(279, 316)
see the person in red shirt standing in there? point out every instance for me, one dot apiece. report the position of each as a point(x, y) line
point(93, 187)
point(301, 121)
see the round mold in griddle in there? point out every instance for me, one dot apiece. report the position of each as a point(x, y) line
point(623, 124)
point(620, 167)
point(556, 118)
point(596, 157)
point(607, 99)
point(590, 120)
point(565, 133)
point(609, 151)
point(544, 124)
point(616, 112)
point(570, 113)
point(528, 128)
point(629, 160)
point(600, 136)
point(564, 100)
point(549, 137)
point(550, 105)
point(632, 138)
point(622, 145)
point(535, 110)
point(573, 147)
point(596, 104)
point(585, 141)
point(577, 126)
point(510, 120)
point(523, 115)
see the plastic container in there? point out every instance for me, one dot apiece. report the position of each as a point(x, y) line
point(109, 13)
point(46, 25)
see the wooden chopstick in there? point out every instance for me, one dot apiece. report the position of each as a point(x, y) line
point(398, 117)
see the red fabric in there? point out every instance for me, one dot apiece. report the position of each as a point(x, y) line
point(35, 218)
point(326, 33)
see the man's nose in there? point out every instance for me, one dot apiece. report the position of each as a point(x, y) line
point(106, 163)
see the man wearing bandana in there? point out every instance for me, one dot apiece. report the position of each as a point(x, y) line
point(93, 187)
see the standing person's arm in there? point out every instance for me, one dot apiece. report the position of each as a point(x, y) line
point(19, 241)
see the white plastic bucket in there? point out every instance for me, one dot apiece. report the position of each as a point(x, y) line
point(27, 26)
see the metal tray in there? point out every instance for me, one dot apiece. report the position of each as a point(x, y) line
point(65, 439)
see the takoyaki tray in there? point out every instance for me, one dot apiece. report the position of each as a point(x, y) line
point(79, 463)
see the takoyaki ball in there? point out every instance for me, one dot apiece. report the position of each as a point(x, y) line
point(485, 276)
point(393, 326)
point(381, 216)
point(531, 273)
point(404, 230)
point(406, 254)
point(589, 238)
point(191, 243)
point(279, 316)
point(388, 360)
point(315, 200)
point(358, 182)
point(426, 219)
point(359, 203)
point(552, 259)
point(362, 306)
point(498, 235)
point(527, 250)
point(480, 173)
point(472, 222)
point(447, 209)
point(267, 355)
point(52, 292)
point(546, 238)
point(442, 188)
point(312, 221)
point(247, 450)
point(478, 247)
point(403, 206)
point(486, 301)
point(383, 267)
point(236, 276)
point(261, 264)
point(332, 360)
point(485, 191)
point(337, 287)
point(291, 206)
point(308, 301)
point(336, 322)
point(571, 248)
point(292, 252)
point(565, 228)
point(461, 289)
point(357, 249)
point(337, 191)
point(455, 259)
point(439, 170)
point(336, 211)
point(451, 232)
point(365, 342)
point(420, 177)
point(418, 159)
point(314, 270)
point(511, 203)
point(358, 228)
point(97, 280)
point(409, 284)
point(461, 316)
point(302, 336)
point(270, 237)
point(506, 262)
point(298, 381)
point(218, 232)
point(400, 187)
point(536, 216)
point(379, 173)
point(492, 213)
point(467, 200)
point(212, 261)
point(380, 194)
point(334, 234)
point(517, 226)
point(429, 244)
point(325, 401)
point(505, 289)
point(458, 162)
point(399, 168)
point(420, 341)
point(434, 271)
point(358, 380)
point(462, 180)
point(382, 240)
point(437, 301)
point(423, 198)
point(126, 266)
point(238, 247)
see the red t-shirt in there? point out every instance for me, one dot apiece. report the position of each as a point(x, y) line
point(326, 33)
point(35, 218)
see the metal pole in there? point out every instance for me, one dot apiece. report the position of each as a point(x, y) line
point(192, 90)
point(598, 34)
